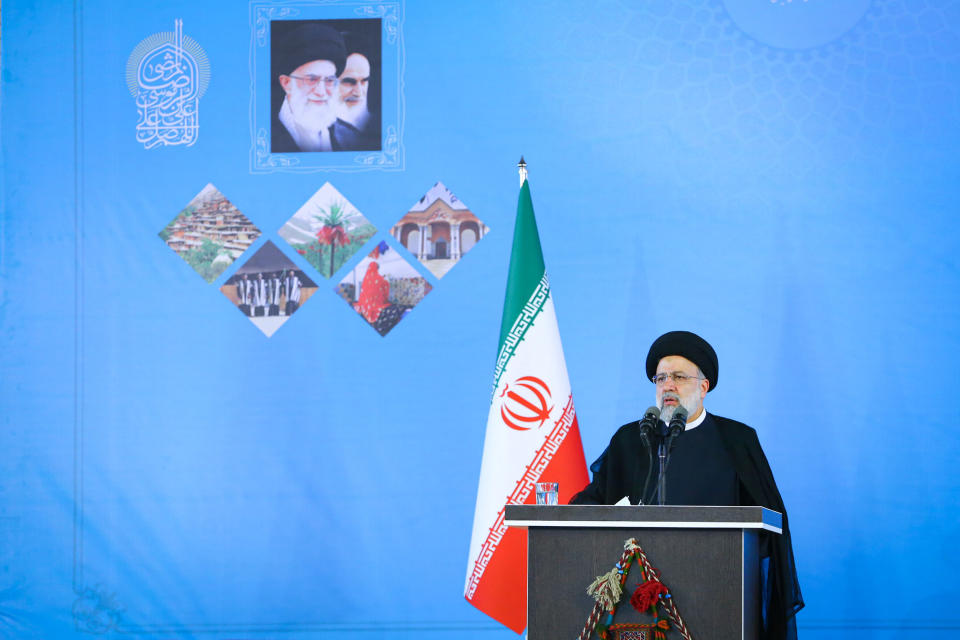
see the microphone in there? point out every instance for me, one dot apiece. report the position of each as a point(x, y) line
point(677, 423)
point(649, 423)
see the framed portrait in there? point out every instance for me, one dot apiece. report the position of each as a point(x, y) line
point(326, 80)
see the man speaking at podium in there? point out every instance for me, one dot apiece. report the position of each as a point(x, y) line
point(713, 461)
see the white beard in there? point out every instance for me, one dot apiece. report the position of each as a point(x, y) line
point(690, 402)
point(357, 115)
point(307, 123)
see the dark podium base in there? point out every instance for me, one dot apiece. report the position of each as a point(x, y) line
point(713, 573)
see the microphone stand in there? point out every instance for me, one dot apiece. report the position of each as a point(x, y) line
point(677, 424)
point(647, 426)
point(662, 454)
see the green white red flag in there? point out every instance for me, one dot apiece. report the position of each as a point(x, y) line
point(532, 433)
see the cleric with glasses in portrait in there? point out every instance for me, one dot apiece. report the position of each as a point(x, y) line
point(308, 61)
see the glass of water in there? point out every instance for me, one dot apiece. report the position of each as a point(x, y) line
point(548, 492)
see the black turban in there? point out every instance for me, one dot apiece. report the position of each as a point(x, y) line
point(309, 40)
point(690, 346)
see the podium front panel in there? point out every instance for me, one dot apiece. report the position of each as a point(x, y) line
point(713, 574)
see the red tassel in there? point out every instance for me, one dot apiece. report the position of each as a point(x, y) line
point(646, 595)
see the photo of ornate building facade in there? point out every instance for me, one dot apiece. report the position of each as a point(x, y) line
point(439, 230)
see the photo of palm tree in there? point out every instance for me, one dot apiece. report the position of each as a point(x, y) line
point(327, 230)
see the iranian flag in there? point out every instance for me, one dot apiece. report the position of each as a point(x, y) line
point(532, 434)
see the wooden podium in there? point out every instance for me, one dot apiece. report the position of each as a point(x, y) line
point(708, 557)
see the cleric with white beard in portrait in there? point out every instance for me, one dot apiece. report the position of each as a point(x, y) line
point(307, 61)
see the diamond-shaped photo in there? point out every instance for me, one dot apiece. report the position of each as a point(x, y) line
point(439, 230)
point(383, 288)
point(327, 230)
point(210, 233)
point(268, 288)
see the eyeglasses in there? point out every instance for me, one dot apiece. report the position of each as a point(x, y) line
point(312, 80)
point(352, 82)
point(676, 376)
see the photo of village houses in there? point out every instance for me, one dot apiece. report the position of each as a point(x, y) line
point(439, 230)
point(209, 233)
point(268, 288)
point(383, 288)
point(327, 230)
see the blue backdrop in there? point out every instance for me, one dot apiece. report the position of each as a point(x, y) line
point(779, 177)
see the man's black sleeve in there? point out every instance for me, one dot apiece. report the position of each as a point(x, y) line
point(594, 492)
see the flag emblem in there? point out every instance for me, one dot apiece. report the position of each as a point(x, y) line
point(525, 403)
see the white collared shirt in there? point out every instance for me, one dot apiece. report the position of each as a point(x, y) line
point(698, 421)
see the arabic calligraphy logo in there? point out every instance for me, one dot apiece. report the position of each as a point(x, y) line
point(525, 406)
point(168, 73)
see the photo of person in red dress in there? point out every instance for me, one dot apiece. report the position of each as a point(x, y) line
point(383, 288)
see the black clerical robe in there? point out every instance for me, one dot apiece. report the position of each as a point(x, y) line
point(621, 470)
point(343, 137)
